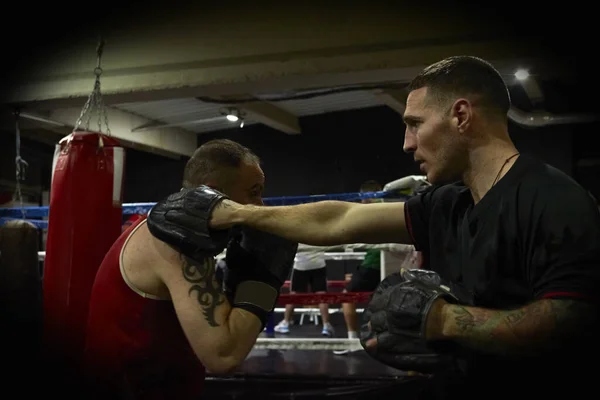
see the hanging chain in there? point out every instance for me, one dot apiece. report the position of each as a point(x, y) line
point(95, 101)
point(20, 164)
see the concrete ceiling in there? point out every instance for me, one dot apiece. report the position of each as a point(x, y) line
point(164, 84)
point(202, 116)
point(150, 124)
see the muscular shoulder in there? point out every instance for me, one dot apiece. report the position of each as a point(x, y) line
point(548, 191)
point(146, 260)
point(436, 206)
point(143, 246)
point(440, 197)
point(451, 193)
point(557, 216)
point(163, 263)
point(547, 178)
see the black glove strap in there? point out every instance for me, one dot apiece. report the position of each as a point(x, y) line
point(257, 298)
point(428, 308)
point(259, 312)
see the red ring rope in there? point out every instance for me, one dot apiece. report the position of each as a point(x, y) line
point(332, 284)
point(329, 298)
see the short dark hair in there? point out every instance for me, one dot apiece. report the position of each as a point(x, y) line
point(464, 75)
point(371, 186)
point(213, 157)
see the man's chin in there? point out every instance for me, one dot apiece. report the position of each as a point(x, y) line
point(438, 180)
point(432, 178)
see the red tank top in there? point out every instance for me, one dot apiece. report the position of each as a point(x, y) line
point(135, 344)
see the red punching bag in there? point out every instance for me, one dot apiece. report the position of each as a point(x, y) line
point(84, 220)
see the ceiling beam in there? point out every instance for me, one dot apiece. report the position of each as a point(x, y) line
point(172, 142)
point(393, 98)
point(271, 115)
point(154, 124)
point(533, 90)
point(257, 111)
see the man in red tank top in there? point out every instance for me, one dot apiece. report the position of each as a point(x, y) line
point(155, 323)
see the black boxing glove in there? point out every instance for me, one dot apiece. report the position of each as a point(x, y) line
point(433, 279)
point(397, 313)
point(181, 220)
point(427, 277)
point(257, 265)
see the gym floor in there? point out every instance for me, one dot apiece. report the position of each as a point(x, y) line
point(311, 373)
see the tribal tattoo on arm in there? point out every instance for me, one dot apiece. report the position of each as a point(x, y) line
point(204, 285)
point(537, 327)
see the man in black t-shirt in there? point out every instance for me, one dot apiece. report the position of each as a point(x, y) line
point(517, 241)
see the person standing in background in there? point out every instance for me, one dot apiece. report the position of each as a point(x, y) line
point(309, 275)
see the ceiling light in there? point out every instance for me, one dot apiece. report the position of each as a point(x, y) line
point(521, 74)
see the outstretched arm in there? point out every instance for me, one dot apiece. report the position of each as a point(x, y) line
point(392, 247)
point(324, 223)
point(541, 326)
point(302, 248)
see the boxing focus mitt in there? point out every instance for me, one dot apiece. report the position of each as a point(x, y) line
point(256, 267)
point(433, 279)
point(398, 312)
point(181, 220)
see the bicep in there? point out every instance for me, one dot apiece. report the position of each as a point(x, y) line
point(563, 320)
point(375, 223)
point(570, 312)
point(199, 303)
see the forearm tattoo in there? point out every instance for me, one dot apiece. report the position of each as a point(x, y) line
point(204, 286)
point(536, 327)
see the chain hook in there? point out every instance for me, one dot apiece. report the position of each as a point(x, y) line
point(95, 101)
point(20, 164)
point(99, 51)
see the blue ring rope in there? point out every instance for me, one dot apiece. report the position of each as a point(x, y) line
point(7, 214)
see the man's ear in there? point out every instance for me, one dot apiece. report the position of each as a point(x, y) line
point(462, 114)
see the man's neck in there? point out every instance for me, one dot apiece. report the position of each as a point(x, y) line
point(488, 164)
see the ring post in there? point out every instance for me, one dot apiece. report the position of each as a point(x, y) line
point(270, 327)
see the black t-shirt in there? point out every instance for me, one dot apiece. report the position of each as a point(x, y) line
point(534, 235)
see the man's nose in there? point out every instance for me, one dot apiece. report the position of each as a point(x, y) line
point(410, 143)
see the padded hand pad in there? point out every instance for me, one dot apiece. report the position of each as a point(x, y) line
point(181, 220)
point(258, 264)
point(398, 314)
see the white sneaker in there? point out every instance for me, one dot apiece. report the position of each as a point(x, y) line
point(282, 327)
point(327, 330)
point(344, 352)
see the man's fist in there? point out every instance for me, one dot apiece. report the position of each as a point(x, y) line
point(182, 221)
